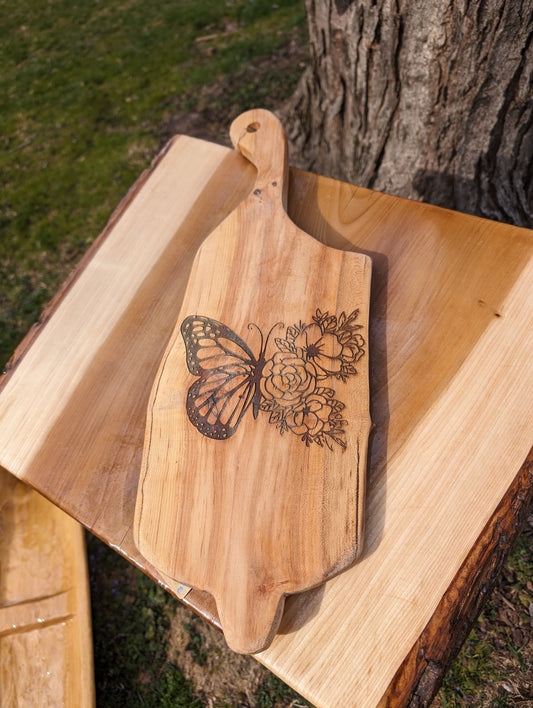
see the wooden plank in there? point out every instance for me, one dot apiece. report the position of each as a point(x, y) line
point(45, 623)
point(451, 382)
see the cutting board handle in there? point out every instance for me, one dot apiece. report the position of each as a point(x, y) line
point(260, 138)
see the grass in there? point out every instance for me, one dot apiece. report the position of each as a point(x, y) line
point(88, 94)
point(84, 89)
point(495, 665)
point(129, 631)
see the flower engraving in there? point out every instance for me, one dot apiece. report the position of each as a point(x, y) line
point(288, 384)
point(287, 378)
point(318, 416)
point(334, 345)
point(328, 347)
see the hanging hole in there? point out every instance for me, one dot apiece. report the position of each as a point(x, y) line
point(252, 128)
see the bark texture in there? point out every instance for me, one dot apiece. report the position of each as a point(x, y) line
point(424, 99)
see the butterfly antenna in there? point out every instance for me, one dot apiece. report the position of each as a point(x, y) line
point(278, 324)
point(251, 325)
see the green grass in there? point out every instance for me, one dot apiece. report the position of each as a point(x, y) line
point(196, 644)
point(86, 93)
point(130, 629)
point(84, 89)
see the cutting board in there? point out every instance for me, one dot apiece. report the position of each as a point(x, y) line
point(253, 473)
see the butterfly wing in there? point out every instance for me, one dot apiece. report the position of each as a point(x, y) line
point(226, 372)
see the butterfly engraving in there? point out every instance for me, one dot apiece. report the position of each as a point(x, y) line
point(228, 374)
point(287, 385)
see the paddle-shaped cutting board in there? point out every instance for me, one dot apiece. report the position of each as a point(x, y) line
point(253, 472)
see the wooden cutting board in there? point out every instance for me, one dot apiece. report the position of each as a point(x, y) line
point(253, 473)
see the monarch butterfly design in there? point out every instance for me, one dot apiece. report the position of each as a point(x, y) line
point(287, 385)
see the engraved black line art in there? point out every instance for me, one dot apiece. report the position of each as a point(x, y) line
point(288, 385)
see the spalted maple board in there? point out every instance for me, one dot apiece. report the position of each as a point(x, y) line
point(46, 651)
point(253, 473)
point(451, 384)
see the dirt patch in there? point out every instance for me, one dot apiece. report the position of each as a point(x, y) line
point(218, 675)
point(265, 83)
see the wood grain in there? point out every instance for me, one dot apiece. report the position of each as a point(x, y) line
point(45, 623)
point(450, 382)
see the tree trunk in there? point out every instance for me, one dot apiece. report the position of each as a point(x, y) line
point(424, 99)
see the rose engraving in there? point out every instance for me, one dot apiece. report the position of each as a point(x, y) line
point(287, 378)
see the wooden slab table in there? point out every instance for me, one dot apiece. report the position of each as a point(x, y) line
point(451, 387)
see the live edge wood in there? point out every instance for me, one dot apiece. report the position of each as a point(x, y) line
point(420, 675)
point(451, 386)
point(46, 652)
point(253, 474)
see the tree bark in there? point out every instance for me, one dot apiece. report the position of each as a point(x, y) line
point(424, 99)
